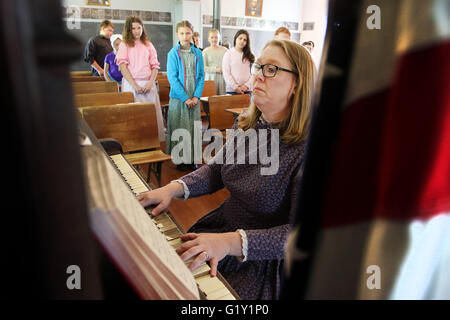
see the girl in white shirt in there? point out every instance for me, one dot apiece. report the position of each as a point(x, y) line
point(213, 57)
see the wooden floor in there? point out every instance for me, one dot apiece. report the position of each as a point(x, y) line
point(189, 211)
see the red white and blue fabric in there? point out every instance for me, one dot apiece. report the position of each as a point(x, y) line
point(387, 197)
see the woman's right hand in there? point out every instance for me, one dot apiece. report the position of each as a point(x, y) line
point(161, 197)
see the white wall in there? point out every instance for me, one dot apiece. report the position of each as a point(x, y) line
point(192, 13)
point(281, 10)
point(315, 11)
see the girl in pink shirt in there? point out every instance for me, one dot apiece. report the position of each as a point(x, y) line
point(236, 65)
point(138, 62)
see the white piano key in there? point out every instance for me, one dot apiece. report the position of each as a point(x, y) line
point(171, 235)
point(140, 190)
point(218, 293)
point(176, 243)
point(167, 227)
point(209, 284)
point(229, 296)
point(202, 270)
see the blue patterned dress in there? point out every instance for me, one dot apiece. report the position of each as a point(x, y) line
point(179, 116)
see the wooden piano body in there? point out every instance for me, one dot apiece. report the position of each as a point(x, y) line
point(47, 232)
point(209, 288)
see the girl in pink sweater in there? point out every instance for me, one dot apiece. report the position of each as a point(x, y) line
point(237, 63)
point(138, 62)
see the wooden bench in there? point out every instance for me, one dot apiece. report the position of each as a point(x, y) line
point(104, 98)
point(163, 91)
point(218, 117)
point(80, 73)
point(134, 125)
point(209, 90)
point(87, 78)
point(161, 76)
point(94, 87)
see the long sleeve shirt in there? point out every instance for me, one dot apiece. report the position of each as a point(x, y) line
point(96, 50)
point(176, 73)
point(140, 59)
point(236, 72)
point(258, 204)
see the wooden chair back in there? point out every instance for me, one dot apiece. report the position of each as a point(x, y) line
point(94, 87)
point(133, 125)
point(209, 88)
point(80, 73)
point(87, 78)
point(164, 90)
point(218, 117)
point(161, 76)
point(104, 98)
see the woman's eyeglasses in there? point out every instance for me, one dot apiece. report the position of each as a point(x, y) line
point(268, 70)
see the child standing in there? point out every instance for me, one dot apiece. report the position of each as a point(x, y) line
point(98, 47)
point(185, 72)
point(236, 65)
point(213, 57)
point(112, 72)
point(138, 62)
point(196, 40)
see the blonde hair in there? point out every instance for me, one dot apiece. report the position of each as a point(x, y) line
point(184, 24)
point(213, 30)
point(294, 127)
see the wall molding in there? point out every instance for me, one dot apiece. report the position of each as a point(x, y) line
point(254, 23)
point(89, 13)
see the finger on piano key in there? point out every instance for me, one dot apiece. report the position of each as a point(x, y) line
point(188, 262)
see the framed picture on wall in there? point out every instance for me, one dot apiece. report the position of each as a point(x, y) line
point(253, 8)
point(103, 3)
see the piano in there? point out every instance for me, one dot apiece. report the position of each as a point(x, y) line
point(210, 288)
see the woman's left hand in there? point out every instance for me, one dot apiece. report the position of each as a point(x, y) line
point(211, 247)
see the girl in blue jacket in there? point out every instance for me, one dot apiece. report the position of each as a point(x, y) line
point(185, 72)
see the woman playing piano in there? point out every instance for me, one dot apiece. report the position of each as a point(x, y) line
point(244, 237)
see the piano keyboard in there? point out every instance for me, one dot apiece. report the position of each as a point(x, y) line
point(212, 288)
